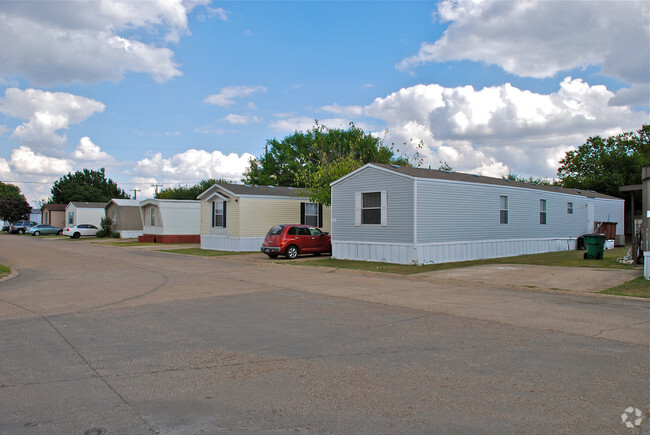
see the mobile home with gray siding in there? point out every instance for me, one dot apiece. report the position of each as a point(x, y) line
point(414, 215)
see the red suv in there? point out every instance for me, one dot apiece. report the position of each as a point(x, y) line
point(293, 240)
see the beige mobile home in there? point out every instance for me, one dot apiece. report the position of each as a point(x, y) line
point(236, 217)
point(126, 217)
point(170, 220)
point(54, 214)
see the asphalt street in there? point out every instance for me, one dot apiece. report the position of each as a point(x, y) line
point(101, 339)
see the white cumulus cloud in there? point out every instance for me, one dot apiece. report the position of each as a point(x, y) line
point(241, 119)
point(498, 129)
point(87, 151)
point(541, 38)
point(227, 95)
point(193, 166)
point(26, 161)
point(46, 113)
point(66, 42)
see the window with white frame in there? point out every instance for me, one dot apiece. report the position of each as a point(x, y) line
point(114, 216)
point(370, 208)
point(152, 216)
point(569, 208)
point(311, 214)
point(542, 211)
point(503, 211)
point(70, 217)
point(219, 214)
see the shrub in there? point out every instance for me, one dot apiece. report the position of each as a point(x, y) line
point(106, 227)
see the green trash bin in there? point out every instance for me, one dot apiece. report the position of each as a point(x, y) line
point(595, 246)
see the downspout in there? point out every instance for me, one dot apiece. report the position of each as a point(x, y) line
point(415, 221)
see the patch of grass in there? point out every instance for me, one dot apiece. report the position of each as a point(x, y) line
point(4, 270)
point(201, 252)
point(638, 287)
point(563, 258)
point(124, 244)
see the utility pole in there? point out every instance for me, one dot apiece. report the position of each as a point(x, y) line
point(156, 186)
point(135, 193)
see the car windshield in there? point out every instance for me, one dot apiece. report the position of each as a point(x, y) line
point(275, 231)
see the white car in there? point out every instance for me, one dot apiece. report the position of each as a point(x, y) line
point(79, 230)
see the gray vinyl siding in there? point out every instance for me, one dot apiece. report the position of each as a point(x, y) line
point(399, 197)
point(456, 211)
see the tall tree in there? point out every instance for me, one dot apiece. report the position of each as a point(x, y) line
point(604, 165)
point(86, 185)
point(314, 158)
point(305, 151)
point(13, 205)
point(189, 192)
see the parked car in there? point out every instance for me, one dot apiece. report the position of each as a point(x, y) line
point(19, 227)
point(44, 229)
point(79, 230)
point(293, 240)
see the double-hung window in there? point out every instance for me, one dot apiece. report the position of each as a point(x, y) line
point(152, 216)
point(311, 214)
point(542, 211)
point(503, 211)
point(219, 214)
point(371, 208)
point(70, 217)
point(569, 208)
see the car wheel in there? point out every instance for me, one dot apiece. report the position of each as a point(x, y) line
point(272, 255)
point(76, 235)
point(60, 233)
point(21, 231)
point(37, 233)
point(292, 252)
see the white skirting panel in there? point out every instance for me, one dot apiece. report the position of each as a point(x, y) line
point(130, 234)
point(447, 252)
point(233, 244)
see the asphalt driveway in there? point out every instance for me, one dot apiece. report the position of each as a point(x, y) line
point(126, 340)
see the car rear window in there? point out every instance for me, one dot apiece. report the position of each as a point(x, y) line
point(275, 231)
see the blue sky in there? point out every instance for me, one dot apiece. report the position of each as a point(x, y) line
point(175, 92)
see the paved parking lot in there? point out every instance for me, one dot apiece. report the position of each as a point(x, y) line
point(133, 341)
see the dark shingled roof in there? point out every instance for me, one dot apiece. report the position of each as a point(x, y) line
point(54, 207)
point(89, 204)
point(245, 189)
point(471, 178)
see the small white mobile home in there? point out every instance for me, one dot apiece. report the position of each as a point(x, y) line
point(84, 213)
point(170, 220)
point(413, 215)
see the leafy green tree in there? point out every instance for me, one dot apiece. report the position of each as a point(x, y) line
point(189, 192)
point(13, 205)
point(86, 185)
point(604, 165)
point(285, 160)
point(315, 158)
point(543, 181)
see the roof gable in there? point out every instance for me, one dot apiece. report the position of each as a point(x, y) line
point(243, 190)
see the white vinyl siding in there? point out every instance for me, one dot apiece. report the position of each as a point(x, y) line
point(569, 208)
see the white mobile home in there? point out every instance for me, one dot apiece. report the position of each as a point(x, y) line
point(236, 217)
point(84, 213)
point(414, 215)
point(170, 220)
